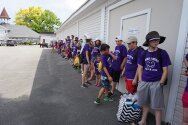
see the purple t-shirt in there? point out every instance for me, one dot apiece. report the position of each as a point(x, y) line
point(186, 88)
point(74, 50)
point(132, 63)
point(87, 48)
point(152, 70)
point(106, 62)
point(96, 64)
point(95, 51)
point(120, 52)
point(68, 41)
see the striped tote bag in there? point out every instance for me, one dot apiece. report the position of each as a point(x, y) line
point(128, 111)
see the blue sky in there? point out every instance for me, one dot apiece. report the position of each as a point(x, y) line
point(62, 8)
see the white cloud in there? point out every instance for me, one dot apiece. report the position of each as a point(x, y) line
point(62, 8)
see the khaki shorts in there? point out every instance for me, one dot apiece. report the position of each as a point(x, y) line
point(150, 94)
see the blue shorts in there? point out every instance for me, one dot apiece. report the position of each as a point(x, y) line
point(105, 82)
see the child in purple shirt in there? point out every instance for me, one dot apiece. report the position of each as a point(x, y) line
point(86, 53)
point(95, 52)
point(119, 63)
point(130, 73)
point(97, 73)
point(152, 71)
point(106, 59)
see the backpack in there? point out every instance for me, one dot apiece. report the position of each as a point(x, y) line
point(128, 111)
point(138, 49)
point(100, 66)
point(159, 57)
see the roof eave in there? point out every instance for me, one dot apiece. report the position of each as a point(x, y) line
point(89, 2)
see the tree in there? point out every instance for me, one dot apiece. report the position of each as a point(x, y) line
point(38, 19)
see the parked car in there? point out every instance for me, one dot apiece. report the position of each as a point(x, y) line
point(44, 45)
point(11, 43)
point(2, 43)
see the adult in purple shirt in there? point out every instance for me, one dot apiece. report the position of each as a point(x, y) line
point(119, 63)
point(86, 54)
point(152, 72)
point(185, 95)
point(95, 52)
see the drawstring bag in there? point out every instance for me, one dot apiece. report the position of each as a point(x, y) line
point(77, 61)
point(129, 111)
point(100, 66)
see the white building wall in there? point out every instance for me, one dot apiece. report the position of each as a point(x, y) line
point(159, 21)
point(90, 25)
point(3, 33)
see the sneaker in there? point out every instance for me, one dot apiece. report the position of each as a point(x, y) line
point(84, 86)
point(88, 83)
point(110, 94)
point(110, 99)
point(106, 98)
point(97, 101)
point(98, 85)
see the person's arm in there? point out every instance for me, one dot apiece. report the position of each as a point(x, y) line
point(113, 56)
point(123, 63)
point(140, 71)
point(123, 71)
point(164, 75)
point(107, 73)
point(135, 80)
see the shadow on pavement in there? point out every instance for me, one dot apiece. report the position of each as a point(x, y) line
point(57, 99)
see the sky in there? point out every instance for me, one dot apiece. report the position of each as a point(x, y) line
point(62, 8)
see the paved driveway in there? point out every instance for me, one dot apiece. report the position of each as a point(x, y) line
point(40, 88)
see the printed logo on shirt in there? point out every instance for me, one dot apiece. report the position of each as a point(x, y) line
point(129, 59)
point(109, 60)
point(95, 49)
point(151, 64)
point(116, 53)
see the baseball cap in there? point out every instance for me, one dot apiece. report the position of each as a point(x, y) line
point(118, 38)
point(131, 39)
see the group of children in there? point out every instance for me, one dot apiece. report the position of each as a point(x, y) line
point(145, 71)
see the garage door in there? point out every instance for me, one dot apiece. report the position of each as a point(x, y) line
point(72, 29)
point(91, 25)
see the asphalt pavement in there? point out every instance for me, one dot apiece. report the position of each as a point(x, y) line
point(55, 96)
point(38, 87)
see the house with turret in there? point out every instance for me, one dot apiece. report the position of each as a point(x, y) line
point(14, 32)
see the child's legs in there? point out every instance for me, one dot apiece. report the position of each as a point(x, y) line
point(144, 115)
point(157, 100)
point(105, 84)
point(130, 87)
point(158, 116)
point(101, 92)
point(97, 79)
point(143, 100)
point(92, 71)
point(86, 68)
point(115, 77)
